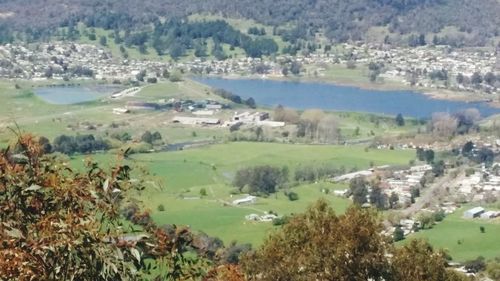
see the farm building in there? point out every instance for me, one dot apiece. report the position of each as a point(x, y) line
point(350, 176)
point(272, 124)
point(203, 112)
point(247, 117)
point(473, 213)
point(195, 120)
point(490, 215)
point(247, 200)
point(214, 106)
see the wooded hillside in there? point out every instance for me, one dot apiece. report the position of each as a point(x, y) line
point(340, 19)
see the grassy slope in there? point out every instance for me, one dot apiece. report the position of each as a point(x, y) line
point(184, 173)
point(473, 243)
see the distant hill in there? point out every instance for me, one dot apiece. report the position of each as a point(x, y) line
point(474, 22)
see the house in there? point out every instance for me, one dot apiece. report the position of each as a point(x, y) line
point(247, 200)
point(474, 212)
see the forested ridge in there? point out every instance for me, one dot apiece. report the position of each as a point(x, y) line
point(341, 20)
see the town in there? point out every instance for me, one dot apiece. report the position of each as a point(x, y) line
point(429, 68)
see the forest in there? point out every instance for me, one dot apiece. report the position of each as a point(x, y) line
point(340, 20)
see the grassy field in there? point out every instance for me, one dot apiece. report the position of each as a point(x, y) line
point(462, 238)
point(183, 174)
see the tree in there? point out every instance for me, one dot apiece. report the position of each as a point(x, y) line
point(393, 200)
point(476, 78)
point(429, 156)
point(476, 265)
point(378, 198)
point(319, 245)
point(398, 234)
point(147, 137)
point(175, 76)
point(295, 68)
point(103, 41)
point(485, 155)
point(443, 124)
point(58, 224)
point(285, 71)
point(324, 246)
point(292, 196)
point(426, 220)
point(45, 145)
point(203, 192)
point(359, 190)
point(417, 261)
point(328, 129)
point(284, 114)
point(438, 168)
point(260, 179)
point(141, 75)
point(467, 148)
point(490, 78)
point(400, 121)
point(250, 102)
point(309, 122)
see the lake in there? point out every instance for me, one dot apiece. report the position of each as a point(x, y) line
point(305, 95)
point(74, 94)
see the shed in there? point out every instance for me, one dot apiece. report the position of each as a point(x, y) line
point(490, 215)
point(473, 213)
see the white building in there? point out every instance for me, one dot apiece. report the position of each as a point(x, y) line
point(195, 120)
point(247, 200)
point(474, 212)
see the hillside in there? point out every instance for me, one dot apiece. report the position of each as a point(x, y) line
point(474, 22)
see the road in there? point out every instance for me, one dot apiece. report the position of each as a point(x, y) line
point(429, 193)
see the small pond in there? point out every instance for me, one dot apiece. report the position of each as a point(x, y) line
point(74, 94)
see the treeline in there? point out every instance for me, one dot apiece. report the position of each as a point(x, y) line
point(79, 144)
point(250, 102)
point(88, 143)
point(476, 22)
point(261, 179)
point(463, 122)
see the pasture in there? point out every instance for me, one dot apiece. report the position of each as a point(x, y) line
point(183, 174)
point(462, 238)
